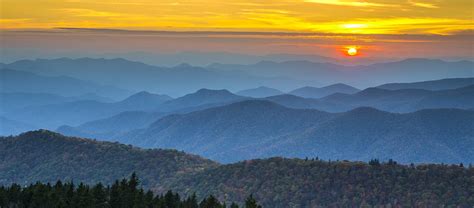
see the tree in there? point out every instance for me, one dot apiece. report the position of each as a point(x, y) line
point(250, 202)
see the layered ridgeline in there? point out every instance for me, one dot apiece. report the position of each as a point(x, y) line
point(275, 182)
point(399, 101)
point(53, 115)
point(259, 92)
point(442, 84)
point(29, 82)
point(314, 92)
point(403, 100)
point(256, 129)
point(49, 111)
point(287, 75)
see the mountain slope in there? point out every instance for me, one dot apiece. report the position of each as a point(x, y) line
point(201, 97)
point(314, 92)
point(259, 92)
point(361, 76)
point(404, 100)
point(21, 81)
point(230, 128)
point(47, 156)
point(136, 76)
point(78, 112)
point(275, 182)
point(442, 84)
point(112, 127)
point(365, 133)
point(17, 100)
point(255, 129)
point(281, 183)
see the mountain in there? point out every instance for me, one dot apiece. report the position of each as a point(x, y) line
point(184, 78)
point(281, 183)
point(26, 82)
point(256, 129)
point(293, 101)
point(201, 97)
point(462, 98)
point(135, 76)
point(259, 92)
point(443, 84)
point(314, 92)
point(364, 133)
point(79, 112)
point(361, 76)
point(11, 127)
point(275, 182)
point(116, 125)
point(404, 100)
point(52, 116)
point(47, 156)
point(17, 100)
point(144, 100)
point(112, 127)
point(93, 96)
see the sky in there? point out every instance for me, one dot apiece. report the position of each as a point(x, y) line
point(382, 28)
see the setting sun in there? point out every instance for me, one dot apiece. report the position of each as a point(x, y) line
point(351, 51)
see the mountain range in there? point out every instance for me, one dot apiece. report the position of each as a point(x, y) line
point(361, 76)
point(259, 92)
point(51, 116)
point(27, 82)
point(184, 78)
point(443, 84)
point(405, 101)
point(256, 129)
point(275, 182)
point(314, 92)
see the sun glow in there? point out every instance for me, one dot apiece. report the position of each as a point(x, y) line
point(352, 51)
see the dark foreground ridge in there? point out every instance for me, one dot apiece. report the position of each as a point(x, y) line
point(275, 182)
point(124, 193)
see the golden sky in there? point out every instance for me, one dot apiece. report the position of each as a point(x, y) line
point(379, 28)
point(328, 16)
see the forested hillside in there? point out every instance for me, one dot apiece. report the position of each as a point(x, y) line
point(281, 183)
point(47, 156)
point(274, 182)
point(255, 129)
point(124, 193)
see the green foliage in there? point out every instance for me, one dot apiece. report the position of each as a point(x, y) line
point(46, 156)
point(122, 194)
point(275, 182)
point(280, 182)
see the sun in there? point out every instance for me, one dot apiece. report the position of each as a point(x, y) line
point(351, 51)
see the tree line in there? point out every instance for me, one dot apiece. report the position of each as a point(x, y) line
point(124, 193)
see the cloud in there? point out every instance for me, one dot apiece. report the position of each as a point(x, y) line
point(89, 13)
point(424, 5)
point(350, 3)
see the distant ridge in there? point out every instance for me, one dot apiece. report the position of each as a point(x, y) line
point(199, 98)
point(257, 128)
point(314, 92)
point(26, 82)
point(260, 92)
point(443, 84)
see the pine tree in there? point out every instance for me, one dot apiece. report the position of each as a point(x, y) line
point(250, 202)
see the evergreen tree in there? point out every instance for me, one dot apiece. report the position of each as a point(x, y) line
point(250, 202)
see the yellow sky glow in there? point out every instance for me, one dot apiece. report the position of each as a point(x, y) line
point(328, 16)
